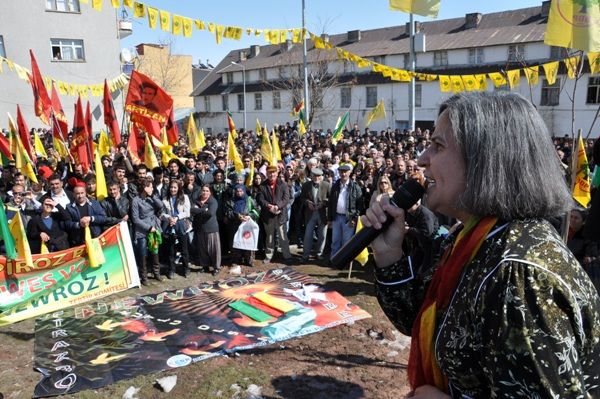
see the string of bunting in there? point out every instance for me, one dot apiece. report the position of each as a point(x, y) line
point(72, 89)
point(181, 25)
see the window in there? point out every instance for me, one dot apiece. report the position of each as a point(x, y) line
point(67, 50)
point(346, 97)
point(225, 101)
point(262, 74)
point(418, 94)
point(593, 93)
point(206, 103)
point(258, 101)
point(228, 78)
point(247, 76)
point(63, 5)
point(2, 49)
point(406, 61)
point(516, 52)
point(550, 93)
point(380, 59)
point(476, 55)
point(440, 58)
point(282, 72)
point(276, 100)
point(241, 104)
point(371, 96)
point(558, 53)
point(348, 66)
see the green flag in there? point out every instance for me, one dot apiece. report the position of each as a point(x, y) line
point(339, 127)
point(9, 241)
point(596, 178)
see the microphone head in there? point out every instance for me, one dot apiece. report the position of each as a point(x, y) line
point(408, 194)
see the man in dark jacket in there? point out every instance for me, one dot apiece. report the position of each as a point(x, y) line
point(116, 206)
point(345, 204)
point(315, 196)
point(84, 212)
point(273, 198)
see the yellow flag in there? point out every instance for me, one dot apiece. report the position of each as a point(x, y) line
point(103, 143)
point(276, 155)
point(60, 147)
point(457, 84)
point(258, 128)
point(470, 82)
point(481, 81)
point(101, 189)
point(233, 154)
point(22, 161)
point(192, 135)
point(152, 17)
point(116, 3)
point(594, 60)
point(187, 26)
point(427, 8)
point(265, 146)
point(301, 128)
point(201, 140)
point(17, 230)
point(378, 112)
point(514, 77)
point(39, 147)
point(200, 25)
point(532, 74)
point(497, 78)
point(551, 69)
point(128, 3)
point(165, 20)
point(219, 30)
point(44, 248)
point(363, 256)
point(571, 65)
point(581, 188)
point(573, 24)
point(149, 156)
point(177, 25)
point(139, 10)
point(445, 84)
point(97, 4)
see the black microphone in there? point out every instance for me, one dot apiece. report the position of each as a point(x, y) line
point(405, 197)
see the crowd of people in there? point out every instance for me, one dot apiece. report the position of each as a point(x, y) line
point(311, 198)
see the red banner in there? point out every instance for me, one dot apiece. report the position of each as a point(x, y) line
point(79, 142)
point(43, 105)
point(145, 98)
point(110, 116)
point(60, 125)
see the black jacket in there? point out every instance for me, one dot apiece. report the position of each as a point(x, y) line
point(281, 199)
point(353, 202)
point(115, 209)
point(58, 235)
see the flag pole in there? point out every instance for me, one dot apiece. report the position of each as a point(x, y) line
point(567, 221)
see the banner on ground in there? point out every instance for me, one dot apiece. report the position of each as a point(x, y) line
point(90, 346)
point(64, 279)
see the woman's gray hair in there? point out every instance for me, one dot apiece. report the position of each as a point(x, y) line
point(513, 171)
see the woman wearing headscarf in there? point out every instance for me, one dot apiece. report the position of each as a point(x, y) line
point(239, 209)
point(507, 311)
point(206, 230)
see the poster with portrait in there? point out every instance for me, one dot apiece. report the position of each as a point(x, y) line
point(147, 99)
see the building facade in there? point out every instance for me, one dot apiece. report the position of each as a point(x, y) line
point(473, 44)
point(72, 43)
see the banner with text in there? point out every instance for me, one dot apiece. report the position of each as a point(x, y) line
point(90, 346)
point(63, 279)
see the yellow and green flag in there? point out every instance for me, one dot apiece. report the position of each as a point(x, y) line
point(101, 189)
point(21, 243)
point(266, 149)
point(573, 24)
point(192, 136)
point(363, 256)
point(581, 188)
point(378, 112)
point(149, 156)
point(339, 128)
point(232, 153)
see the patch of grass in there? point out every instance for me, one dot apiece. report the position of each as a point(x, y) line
point(222, 378)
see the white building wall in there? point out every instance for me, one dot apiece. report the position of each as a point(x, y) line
point(25, 24)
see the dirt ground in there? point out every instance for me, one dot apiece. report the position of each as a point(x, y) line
point(364, 360)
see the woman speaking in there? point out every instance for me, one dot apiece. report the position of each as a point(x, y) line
point(506, 311)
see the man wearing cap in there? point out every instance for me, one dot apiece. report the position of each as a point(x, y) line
point(315, 196)
point(273, 198)
point(345, 203)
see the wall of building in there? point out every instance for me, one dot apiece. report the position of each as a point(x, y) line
point(26, 24)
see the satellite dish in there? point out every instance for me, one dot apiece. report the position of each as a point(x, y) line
point(126, 56)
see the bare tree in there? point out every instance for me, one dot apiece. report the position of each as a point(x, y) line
point(163, 66)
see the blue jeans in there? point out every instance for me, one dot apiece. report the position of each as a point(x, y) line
point(140, 248)
point(314, 222)
point(341, 232)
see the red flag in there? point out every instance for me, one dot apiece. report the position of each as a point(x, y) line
point(60, 126)
point(5, 146)
point(24, 134)
point(145, 98)
point(110, 116)
point(133, 145)
point(148, 125)
point(43, 105)
point(230, 122)
point(79, 142)
point(172, 131)
point(88, 127)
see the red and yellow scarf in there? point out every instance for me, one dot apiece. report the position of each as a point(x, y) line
point(422, 366)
